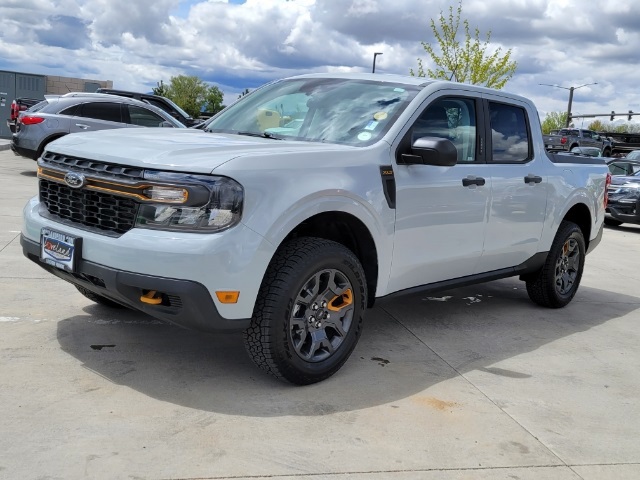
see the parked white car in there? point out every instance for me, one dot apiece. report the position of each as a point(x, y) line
point(308, 199)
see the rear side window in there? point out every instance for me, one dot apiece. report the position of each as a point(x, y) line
point(510, 138)
point(71, 111)
point(102, 111)
point(143, 117)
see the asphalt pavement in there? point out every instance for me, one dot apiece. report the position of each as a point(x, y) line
point(473, 383)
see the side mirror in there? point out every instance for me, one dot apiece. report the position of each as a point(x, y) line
point(432, 151)
point(166, 124)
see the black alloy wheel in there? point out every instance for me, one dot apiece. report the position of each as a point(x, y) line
point(309, 312)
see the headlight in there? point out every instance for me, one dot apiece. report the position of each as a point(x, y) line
point(217, 205)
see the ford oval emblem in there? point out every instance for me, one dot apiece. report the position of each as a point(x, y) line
point(75, 180)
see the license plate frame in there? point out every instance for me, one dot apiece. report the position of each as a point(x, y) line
point(59, 249)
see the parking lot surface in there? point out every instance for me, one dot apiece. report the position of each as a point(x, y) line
point(473, 383)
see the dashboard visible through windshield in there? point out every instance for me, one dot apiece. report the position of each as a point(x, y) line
point(344, 111)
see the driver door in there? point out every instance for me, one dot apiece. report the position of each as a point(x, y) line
point(441, 212)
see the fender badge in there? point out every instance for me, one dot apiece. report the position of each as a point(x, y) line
point(75, 180)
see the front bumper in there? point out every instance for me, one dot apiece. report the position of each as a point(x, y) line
point(185, 303)
point(21, 150)
point(624, 212)
point(191, 264)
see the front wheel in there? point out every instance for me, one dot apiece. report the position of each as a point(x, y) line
point(309, 312)
point(557, 282)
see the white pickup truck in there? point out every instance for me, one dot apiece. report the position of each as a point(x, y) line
point(307, 199)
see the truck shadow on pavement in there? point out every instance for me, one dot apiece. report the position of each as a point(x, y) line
point(408, 345)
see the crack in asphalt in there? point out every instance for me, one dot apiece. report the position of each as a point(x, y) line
point(410, 470)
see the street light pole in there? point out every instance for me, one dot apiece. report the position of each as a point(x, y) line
point(571, 89)
point(373, 70)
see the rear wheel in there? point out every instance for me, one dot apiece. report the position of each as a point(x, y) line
point(94, 297)
point(309, 312)
point(557, 282)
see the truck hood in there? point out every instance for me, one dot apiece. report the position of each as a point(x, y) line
point(189, 150)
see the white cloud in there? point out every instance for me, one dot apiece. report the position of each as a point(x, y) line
point(239, 46)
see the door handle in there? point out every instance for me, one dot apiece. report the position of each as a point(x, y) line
point(82, 126)
point(467, 182)
point(532, 179)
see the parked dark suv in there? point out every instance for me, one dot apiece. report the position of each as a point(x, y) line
point(156, 100)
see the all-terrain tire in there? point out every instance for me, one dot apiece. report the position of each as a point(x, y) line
point(309, 312)
point(94, 297)
point(557, 282)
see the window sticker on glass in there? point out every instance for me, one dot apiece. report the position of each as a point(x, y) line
point(364, 136)
point(371, 125)
point(380, 116)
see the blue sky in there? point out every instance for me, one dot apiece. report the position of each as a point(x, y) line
point(238, 44)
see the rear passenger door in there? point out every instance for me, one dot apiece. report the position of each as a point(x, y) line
point(97, 116)
point(518, 185)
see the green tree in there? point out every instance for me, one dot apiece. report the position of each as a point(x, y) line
point(161, 89)
point(465, 61)
point(597, 126)
point(189, 92)
point(213, 101)
point(554, 121)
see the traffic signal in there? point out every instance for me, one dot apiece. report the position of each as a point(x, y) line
point(613, 115)
point(630, 115)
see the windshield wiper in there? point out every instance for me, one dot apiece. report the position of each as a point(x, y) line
point(261, 135)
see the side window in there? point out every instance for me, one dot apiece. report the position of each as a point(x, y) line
point(102, 111)
point(71, 111)
point(453, 118)
point(509, 135)
point(143, 117)
point(586, 134)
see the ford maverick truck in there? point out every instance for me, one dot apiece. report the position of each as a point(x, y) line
point(309, 198)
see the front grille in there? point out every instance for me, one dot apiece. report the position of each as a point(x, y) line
point(106, 212)
point(91, 167)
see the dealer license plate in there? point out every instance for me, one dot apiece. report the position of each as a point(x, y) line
point(59, 249)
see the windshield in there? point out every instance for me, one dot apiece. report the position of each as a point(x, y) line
point(635, 155)
point(345, 111)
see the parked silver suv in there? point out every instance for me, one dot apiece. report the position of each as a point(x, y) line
point(79, 112)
